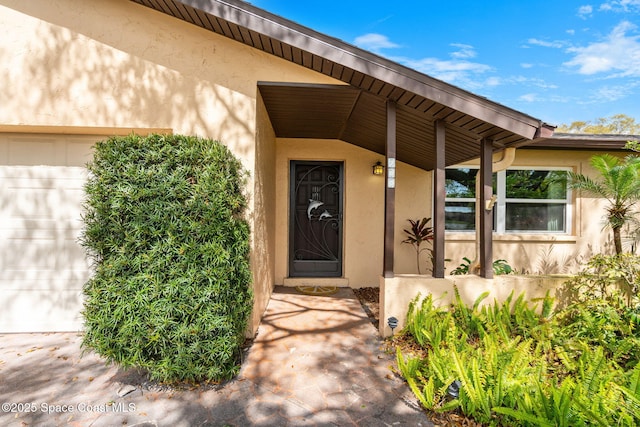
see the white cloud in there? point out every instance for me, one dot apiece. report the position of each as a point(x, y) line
point(466, 51)
point(493, 81)
point(458, 70)
point(526, 65)
point(618, 53)
point(585, 11)
point(528, 97)
point(454, 71)
point(623, 6)
point(544, 43)
point(529, 81)
point(611, 93)
point(374, 42)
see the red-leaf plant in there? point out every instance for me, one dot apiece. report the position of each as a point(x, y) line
point(417, 235)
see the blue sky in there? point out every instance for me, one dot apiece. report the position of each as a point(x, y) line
point(559, 61)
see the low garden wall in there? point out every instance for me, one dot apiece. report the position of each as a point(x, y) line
point(396, 293)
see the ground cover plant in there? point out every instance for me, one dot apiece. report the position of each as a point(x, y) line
point(164, 224)
point(517, 364)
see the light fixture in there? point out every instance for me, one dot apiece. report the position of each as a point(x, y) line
point(393, 323)
point(378, 169)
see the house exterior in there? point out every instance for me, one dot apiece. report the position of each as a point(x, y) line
point(307, 114)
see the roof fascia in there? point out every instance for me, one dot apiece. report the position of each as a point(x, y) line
point(574, 141)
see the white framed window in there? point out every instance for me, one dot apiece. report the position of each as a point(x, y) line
point(529, 200)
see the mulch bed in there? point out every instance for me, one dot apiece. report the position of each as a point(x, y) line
point(370, 300)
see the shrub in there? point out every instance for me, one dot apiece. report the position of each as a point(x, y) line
point(164, 225)
point(608, 277)
point(604, 310)
point(500, 266)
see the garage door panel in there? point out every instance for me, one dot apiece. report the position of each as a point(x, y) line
point(78, 153)
point(42, 280)
point(40, 311)
point(42, 264)
point(41, 228)
point(43, 254)
point(41, 203)
point(31, 152)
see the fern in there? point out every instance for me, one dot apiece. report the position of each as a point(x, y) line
point(631, 397)
point(519, 415)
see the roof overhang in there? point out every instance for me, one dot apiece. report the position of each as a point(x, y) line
point(574, 141)
point(370, 80)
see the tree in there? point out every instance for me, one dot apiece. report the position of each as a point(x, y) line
point(618, 124)
point(619, 184)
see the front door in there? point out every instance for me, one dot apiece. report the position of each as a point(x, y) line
point(315, 228)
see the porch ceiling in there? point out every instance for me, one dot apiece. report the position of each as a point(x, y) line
point(359, 117)
point(355, 112)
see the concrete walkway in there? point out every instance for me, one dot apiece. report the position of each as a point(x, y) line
point(316, 361)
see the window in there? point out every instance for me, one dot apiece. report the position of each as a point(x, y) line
point(528, 200)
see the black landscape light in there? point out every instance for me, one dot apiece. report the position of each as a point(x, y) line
point(393, 323)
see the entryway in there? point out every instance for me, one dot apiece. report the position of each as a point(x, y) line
point(316, 223)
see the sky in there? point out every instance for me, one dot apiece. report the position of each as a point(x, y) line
point(559, 61)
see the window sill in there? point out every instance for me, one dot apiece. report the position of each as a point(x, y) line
point(513, 237)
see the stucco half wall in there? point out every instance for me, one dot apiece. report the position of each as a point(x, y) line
point(396, 293)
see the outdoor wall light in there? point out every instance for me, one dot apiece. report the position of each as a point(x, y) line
point(378, 169)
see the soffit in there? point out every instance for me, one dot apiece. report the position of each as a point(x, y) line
point(372, 81)
point(359, 118)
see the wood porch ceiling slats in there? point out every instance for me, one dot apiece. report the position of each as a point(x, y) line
point(358, 117)
point(296, 111)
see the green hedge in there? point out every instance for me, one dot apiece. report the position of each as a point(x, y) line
point(164, 224)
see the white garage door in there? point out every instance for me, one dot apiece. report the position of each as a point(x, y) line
point(42, 266)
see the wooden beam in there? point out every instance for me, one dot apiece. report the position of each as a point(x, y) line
point(439, 195)
point(486, 215)
point(390, 191)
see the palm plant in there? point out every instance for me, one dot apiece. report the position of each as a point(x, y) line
point(619, 184)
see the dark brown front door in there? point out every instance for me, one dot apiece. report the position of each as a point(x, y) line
point(315, 228)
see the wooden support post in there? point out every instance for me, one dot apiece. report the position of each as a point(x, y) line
point(390, 191)
point(486, 215)
point(439, 195)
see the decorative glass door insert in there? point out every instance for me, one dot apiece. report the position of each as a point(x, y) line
point(315, 228)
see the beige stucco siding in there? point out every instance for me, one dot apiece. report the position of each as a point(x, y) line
point(263, 214)
point(116, 64)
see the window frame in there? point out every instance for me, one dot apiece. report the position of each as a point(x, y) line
point(500, 207)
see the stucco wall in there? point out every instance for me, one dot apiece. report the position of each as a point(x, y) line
point(396, 293)
point(263, 236)
point(363, 207)
point(116, 64)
